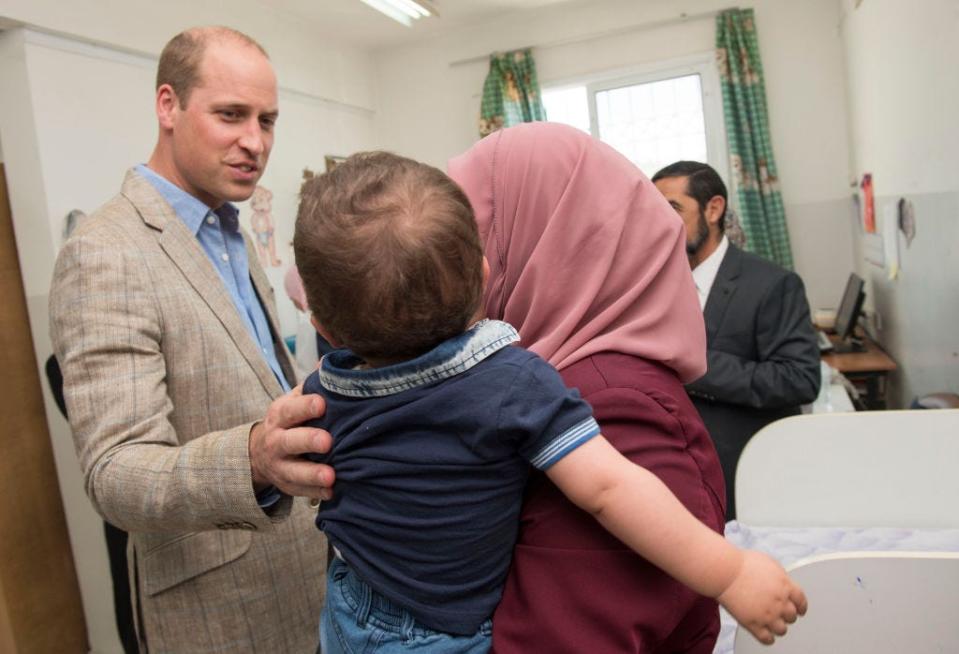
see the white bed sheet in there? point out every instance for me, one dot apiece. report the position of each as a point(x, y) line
point(791, 545)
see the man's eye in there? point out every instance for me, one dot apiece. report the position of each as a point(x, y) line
point(267, 123)
point(229, 114)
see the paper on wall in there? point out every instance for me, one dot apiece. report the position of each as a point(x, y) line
point(873, 249)
point(890, 241)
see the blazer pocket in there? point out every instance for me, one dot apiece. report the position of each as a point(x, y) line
point(189, 555)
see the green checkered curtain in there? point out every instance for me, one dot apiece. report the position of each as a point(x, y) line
point(747, 129)
point(511, 92)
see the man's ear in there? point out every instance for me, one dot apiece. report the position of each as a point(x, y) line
point(167, 106)
point(715, 209)
point(323, 332)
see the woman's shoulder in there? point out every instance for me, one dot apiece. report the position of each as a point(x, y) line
point(641, 407)
point(630, 387)
point(613, 370)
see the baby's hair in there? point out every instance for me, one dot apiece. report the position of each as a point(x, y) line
point(389, 254)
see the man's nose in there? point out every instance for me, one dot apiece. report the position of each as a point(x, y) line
point(253, 138)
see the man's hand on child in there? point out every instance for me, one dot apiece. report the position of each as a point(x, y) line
point(278, 442)
point(763, 598)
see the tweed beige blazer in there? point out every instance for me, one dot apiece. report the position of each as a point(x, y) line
point(163, 383)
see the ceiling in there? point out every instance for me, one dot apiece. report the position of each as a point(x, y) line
point(355, 23)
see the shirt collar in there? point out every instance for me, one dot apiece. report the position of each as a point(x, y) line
point(705, 273)
point(188, 208)
point(339, 372)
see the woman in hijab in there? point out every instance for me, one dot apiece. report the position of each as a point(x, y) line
point(588, 263)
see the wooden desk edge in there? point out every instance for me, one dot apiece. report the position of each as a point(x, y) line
point(874, 359)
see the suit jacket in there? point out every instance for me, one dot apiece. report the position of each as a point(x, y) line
point(163, 384)
point(762, 355)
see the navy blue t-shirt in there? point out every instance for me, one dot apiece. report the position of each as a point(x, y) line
point(431, 459)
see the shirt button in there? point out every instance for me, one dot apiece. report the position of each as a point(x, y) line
point(210, 220)
point(225, 256)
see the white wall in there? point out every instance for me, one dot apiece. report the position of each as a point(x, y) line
point(419, 94)
point(903, 102)
point(903, 93)
point(75, 115)
point(306, 59)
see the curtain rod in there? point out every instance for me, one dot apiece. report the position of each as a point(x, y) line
point(681, 18)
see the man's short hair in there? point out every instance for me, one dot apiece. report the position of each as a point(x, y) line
point(390, 256)
point(181, 57)
point(702, 184)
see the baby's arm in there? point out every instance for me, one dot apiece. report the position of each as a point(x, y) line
point(636, 507)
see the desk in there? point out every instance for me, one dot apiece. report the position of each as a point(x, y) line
point(867, 371)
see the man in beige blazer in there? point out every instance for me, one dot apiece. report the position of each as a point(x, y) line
point(166, 329)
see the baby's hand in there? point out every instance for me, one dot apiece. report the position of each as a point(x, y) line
point(763, 598)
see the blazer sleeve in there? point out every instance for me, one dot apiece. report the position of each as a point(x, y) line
point(787, 372)
point(107, 334)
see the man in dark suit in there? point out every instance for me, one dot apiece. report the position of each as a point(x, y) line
point(763, 359)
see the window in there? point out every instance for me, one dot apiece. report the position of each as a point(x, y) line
point(654, 117)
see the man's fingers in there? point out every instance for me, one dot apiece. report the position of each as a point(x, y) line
point(305, 440)
point(291, 410)
point(311, 492)
point(304, 478)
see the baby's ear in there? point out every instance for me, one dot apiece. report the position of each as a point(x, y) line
point(481, 309)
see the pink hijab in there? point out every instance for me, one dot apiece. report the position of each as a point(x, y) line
point(585, 254)
point(294, 288)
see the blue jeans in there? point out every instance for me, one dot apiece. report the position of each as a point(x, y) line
point(358, 620)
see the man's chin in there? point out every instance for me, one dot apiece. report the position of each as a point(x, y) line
point(240, 192)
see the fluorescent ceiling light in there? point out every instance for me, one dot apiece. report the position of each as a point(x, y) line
point(403, 11)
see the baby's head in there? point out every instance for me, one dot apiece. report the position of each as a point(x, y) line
point(390, 256)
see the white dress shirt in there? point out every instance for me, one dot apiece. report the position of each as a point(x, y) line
point(705, 273)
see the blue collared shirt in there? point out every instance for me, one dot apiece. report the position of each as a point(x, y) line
point(219, 234)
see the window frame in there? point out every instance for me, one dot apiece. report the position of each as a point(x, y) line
point(703, 64)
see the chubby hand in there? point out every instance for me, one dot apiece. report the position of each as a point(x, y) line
point(763, 598)
point(279, 441)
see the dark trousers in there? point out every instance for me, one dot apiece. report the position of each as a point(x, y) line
point(123, 608)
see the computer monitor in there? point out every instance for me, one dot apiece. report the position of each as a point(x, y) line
point(847, 316)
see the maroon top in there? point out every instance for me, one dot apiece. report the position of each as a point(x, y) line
point(573, 587)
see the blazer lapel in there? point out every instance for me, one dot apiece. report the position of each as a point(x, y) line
point(724, 286)
point(187, 254)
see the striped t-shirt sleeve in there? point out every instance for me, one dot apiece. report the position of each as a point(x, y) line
point(546, 419)
point(565, 443)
